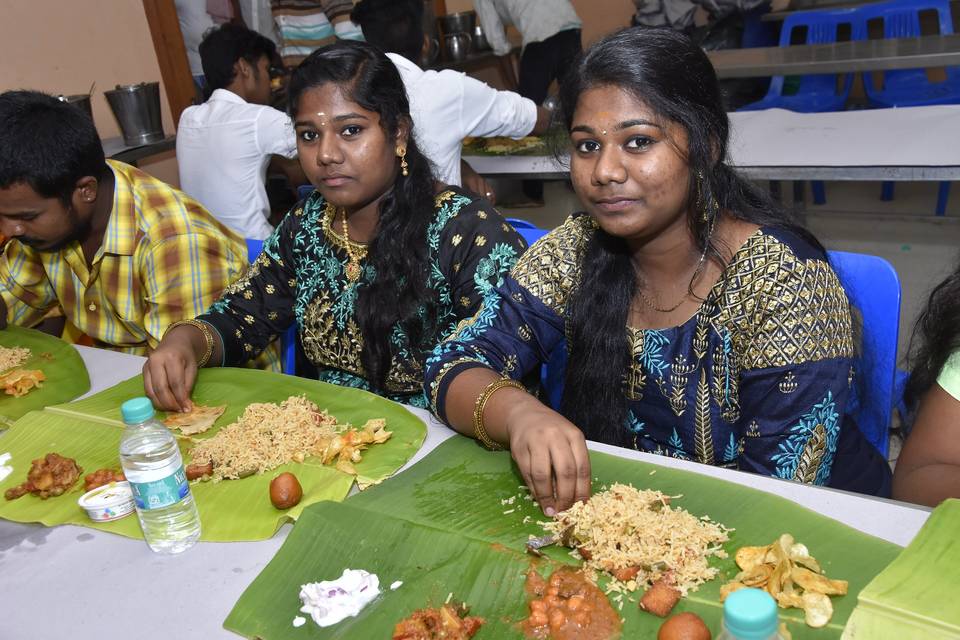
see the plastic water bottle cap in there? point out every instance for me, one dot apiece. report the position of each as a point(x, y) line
point(750, 614)
point(137, 410)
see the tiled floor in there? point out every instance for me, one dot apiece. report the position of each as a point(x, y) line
point(921, 247)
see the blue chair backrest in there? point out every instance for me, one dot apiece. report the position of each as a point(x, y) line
point(288, 341)
point(530, 232)
point(822, 28)
point(873, 288)
point(901, 19)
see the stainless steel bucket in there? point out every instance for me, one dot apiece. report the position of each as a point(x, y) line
point(81, 100)
point(137, 109)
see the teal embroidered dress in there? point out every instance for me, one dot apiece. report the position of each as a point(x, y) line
point(756, 380)
point(300, 277)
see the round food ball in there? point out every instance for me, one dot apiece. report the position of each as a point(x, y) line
point(684, 626)
point(285, 491)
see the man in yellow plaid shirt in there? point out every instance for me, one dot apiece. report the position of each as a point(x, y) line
point(122, 253)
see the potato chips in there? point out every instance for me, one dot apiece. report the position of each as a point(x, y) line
point(19, 382)
point(787, 571)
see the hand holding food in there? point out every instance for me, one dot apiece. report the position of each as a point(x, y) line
point(551, 453)
point(171, 370)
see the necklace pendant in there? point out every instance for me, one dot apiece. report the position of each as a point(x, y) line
point(352, 271)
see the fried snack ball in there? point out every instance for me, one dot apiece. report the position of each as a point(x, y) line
point(285, 491)
point(684, 626)
point(660, 599)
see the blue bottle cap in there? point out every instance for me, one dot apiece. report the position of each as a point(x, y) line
point(750, 614)
point(137, 410)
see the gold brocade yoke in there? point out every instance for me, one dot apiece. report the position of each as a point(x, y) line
point(771, 316)
point(314, 256)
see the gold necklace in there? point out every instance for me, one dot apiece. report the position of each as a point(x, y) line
point(696, 273)
point(353, 269)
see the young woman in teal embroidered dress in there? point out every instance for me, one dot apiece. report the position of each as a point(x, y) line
point(375, 267)
point(701, 323)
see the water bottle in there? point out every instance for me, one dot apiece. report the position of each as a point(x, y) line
point(152, 463)
point(750, 614)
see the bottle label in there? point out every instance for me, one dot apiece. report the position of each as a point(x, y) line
point(160, 492)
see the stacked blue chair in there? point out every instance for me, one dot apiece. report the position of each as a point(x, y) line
point(288, 342)
point(911, 87)
point(815, 93)
point(873, 288)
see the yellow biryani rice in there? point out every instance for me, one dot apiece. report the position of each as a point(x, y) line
point(11, 357)
point(266, 436)
point(623, 527)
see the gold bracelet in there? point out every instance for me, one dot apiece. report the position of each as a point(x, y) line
point(479, 431)
point(207, 336)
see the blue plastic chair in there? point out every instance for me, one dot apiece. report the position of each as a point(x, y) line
point(530, 232)
point(288, 341)
point(873, 287)
point(815, 93)
point(910, 87)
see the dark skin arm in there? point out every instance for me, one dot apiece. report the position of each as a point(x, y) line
point(550, 452)
point(928, 470)
point(544, 116)
point(171, 370)
point(473, 181)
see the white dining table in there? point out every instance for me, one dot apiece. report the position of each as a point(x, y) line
point(776, 144)
point(80, 583)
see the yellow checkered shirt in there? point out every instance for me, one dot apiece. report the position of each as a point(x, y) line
point(163, 258)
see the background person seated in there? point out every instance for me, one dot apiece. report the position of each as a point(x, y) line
point(225, 145)
point(928, 469)
point(123, 253)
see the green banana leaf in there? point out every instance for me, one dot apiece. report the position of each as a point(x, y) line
point(90, 430)
point(457, 522)
point(66, 376)
point(916, 595)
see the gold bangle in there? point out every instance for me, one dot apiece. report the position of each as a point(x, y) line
point(207, 336)
point(479, 431)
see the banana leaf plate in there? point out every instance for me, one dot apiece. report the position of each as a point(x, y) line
point(89, 431)
point(457, 521)
point(61, 364)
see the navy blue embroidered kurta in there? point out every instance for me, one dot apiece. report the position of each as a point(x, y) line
point(757, 379)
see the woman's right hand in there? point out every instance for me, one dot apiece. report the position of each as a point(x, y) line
point(551, 453)
point(171, 370)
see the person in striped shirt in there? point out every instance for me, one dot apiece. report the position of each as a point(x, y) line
point(122, 253)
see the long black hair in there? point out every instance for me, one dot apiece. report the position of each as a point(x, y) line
point(673, 77)
point(935, 336)
point(398, 252)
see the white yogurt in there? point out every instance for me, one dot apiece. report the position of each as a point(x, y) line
point(329, 602)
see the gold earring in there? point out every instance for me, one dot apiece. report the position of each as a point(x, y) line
point(700, 203)
point(402, 154)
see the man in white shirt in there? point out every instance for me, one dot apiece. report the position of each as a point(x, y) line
point(225, 145)
point(194, 22)
point(446, 106)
